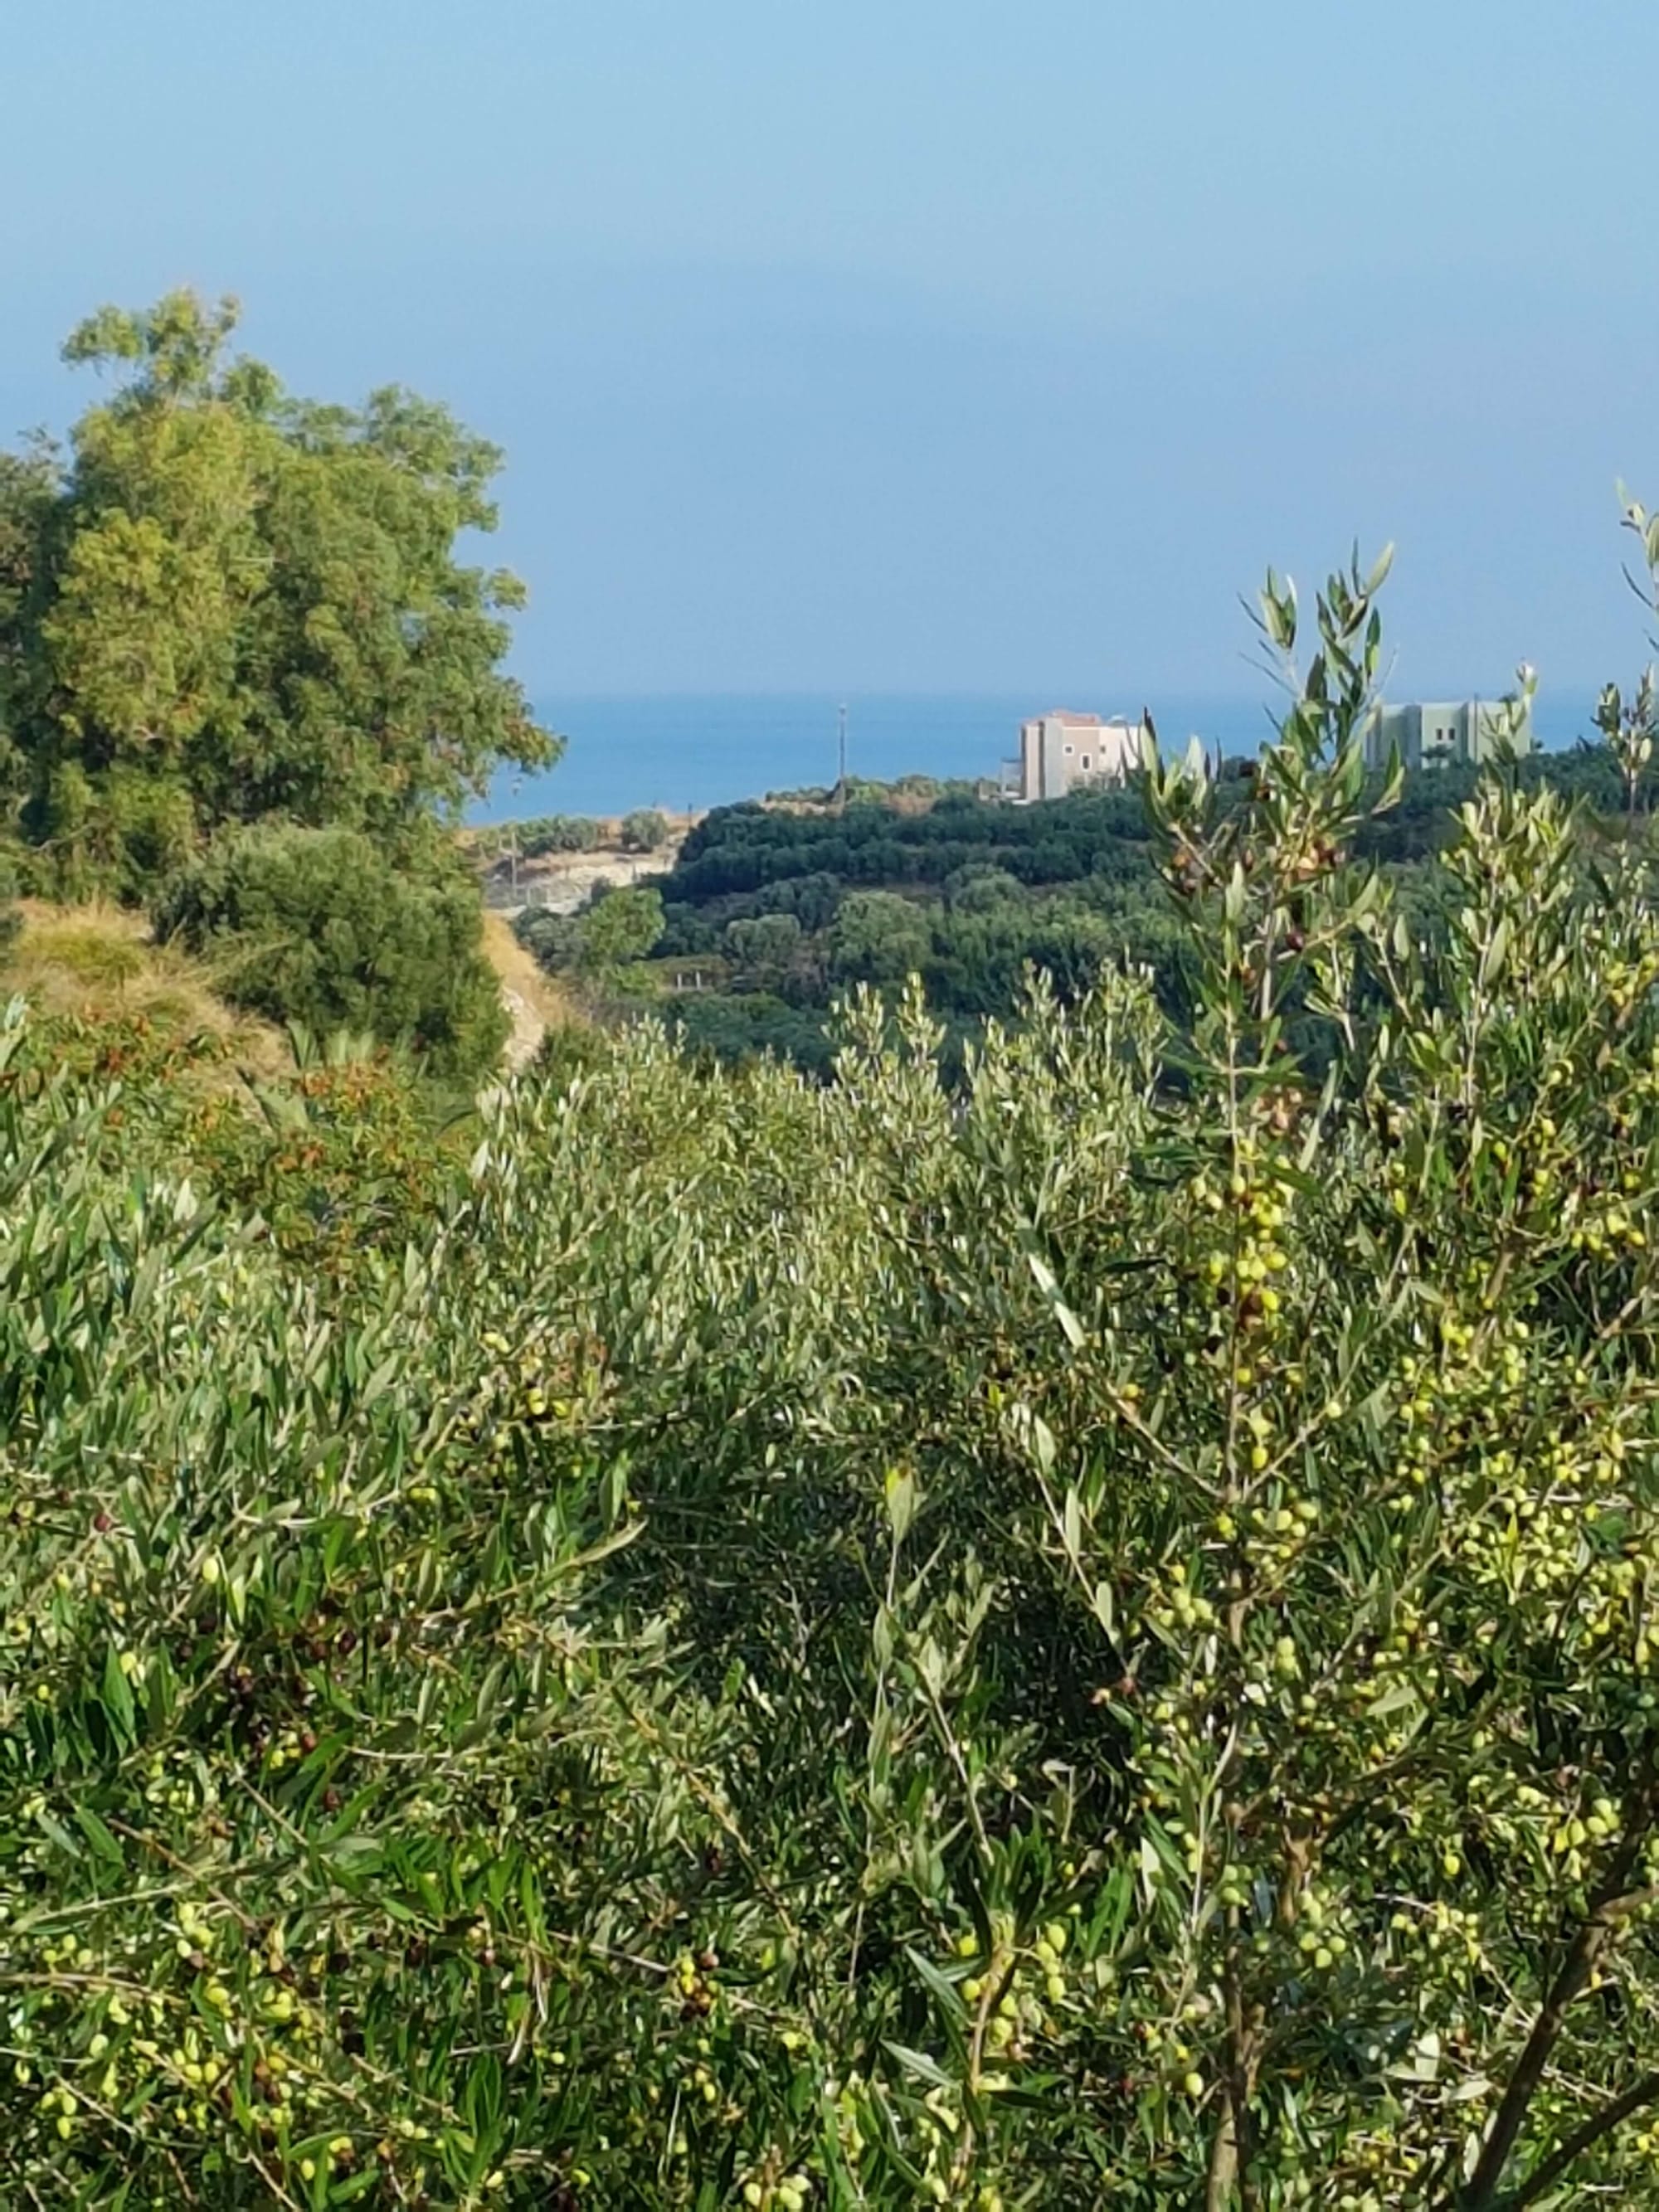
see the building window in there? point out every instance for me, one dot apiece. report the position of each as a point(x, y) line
point(1085, 763)
point(1068, 752)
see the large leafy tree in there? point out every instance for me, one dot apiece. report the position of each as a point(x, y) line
point(878, 938)
point(224, 602)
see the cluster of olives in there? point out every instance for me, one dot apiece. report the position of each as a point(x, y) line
point(1272, 1534)
point(1441, 1929)
point(1628, 981)
point(694, 1983)
point(1176, 1605)
point(1243, 1273)
point(340, 2152)
point(542, 1386)
point(1378, 2156)
point(1579, 1831)
point(1175, 2055)
point(1608, 1231)
point(786, 2192)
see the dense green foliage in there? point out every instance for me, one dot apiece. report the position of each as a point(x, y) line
point(315, 926)
point(605, 945)
point(226, 603)
point(860, 790)
point(1083, 1637)
point(557, 833)
point(778, 911)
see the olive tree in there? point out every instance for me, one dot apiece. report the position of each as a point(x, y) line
point(1084, 1636)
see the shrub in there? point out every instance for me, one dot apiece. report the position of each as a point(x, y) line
point(764, 941)
point(558, 833)
point(618, 930)
point(550, 938)
point(980, 887)
point(335, 1161)
point(645, 830)
point(316, 926)
point(118, 835)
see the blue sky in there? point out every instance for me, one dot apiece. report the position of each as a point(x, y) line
point(929, 344)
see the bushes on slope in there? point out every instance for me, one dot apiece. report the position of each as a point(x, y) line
point(315, 926)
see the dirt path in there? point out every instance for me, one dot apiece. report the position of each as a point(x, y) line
point(532, 1002)
point(528, 1030)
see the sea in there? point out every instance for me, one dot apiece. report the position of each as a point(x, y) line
point(686, 752)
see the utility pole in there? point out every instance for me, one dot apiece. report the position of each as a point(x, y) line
point(841, 780)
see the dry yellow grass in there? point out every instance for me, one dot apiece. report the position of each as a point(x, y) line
point(533, 999)
point(100, 962)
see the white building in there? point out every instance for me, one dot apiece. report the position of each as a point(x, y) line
point(1463, 734)
point(1061, 751)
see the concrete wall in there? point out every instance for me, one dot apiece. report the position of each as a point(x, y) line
point(1056, 768)
point(1445, 731)
point(1441, 732)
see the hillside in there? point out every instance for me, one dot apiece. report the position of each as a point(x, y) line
point(769, 914)
point(729, 1639)
point(97, 970)
point(1071, 1624)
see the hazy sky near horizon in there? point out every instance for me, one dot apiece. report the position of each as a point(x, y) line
point(914, 344)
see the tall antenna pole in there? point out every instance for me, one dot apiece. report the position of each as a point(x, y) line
point(841, 782)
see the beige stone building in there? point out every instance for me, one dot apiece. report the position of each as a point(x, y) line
point(1061, 751)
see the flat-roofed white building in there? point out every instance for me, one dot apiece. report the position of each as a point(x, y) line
point(1461, 733)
